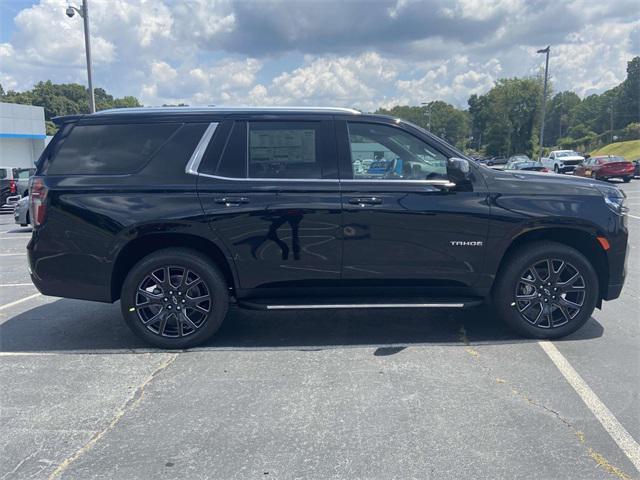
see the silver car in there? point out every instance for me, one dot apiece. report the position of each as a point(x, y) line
point(21, 212)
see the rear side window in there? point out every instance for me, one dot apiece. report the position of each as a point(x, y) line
point(109, 149)
point(284, 150)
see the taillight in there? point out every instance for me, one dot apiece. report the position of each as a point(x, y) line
point(37, 200)
point(12, 187)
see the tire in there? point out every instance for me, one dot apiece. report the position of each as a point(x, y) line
point(556, 169)
point(594, 175)
point(153, 315)
point(536, 312)
point(626, 179)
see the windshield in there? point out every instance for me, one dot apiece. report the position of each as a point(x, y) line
point(567, 154)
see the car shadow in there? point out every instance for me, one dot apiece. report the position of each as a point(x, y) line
point(77, 326)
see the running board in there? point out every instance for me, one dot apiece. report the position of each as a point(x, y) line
point(276, 304)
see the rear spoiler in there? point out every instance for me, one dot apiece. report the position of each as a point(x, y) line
point(66, 119)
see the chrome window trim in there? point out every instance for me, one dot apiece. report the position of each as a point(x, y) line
point(196, 157)
point(193, 166)
point(440, 183)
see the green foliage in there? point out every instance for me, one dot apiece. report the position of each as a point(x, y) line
point(64, 99)
point(629, 149)
point(439, 117)
point(505, 118)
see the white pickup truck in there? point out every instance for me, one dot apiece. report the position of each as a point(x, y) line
point(562, 161)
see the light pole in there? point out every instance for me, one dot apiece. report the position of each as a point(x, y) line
point(544, 96)
point(83, 11)
point(428, 113)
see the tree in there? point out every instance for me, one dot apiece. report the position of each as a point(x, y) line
point(506, 117)
point(560, 116)
point(441, 118)
point(65, 99)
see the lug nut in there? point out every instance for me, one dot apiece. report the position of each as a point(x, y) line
point(183, 300)
point(177, 308)
point(165, 299)
point(169, 307)
point(170, 292)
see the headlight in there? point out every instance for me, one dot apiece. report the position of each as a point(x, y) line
point(614, 198)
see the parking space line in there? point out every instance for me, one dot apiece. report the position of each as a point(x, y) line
point(633, 216)
point(16, 284)
point(610, 423)
point(12, 254)
point(17, 302)
point(15, 238)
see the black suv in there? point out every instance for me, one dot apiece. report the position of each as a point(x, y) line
point(179, 212)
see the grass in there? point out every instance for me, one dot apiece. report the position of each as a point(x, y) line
point(629, 150)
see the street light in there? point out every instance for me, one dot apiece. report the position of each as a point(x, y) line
point(83, 11)
point(428, 114)
point(544, 95)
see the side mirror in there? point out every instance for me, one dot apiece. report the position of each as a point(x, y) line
point(459, 166)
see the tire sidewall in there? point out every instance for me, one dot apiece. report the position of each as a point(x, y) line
point(201, 266)
point(505, 288)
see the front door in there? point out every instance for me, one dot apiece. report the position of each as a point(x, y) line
point(273, 199)
point(402, 225)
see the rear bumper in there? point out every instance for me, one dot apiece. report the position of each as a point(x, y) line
point(68, 275)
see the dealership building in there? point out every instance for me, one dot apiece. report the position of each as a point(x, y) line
point(22, 135)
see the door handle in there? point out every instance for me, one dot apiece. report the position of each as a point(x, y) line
point(363, 201)
point(232, 201)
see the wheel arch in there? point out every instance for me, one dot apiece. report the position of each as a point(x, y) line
point(142, 246)
point(583, 241)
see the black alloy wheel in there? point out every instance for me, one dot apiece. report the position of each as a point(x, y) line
point(173, 301)
point(550, 293)
point(545, 289)
point(174, 298)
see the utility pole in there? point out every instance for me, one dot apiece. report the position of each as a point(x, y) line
point(83, 11)
point(428, 114)
point(544, 96)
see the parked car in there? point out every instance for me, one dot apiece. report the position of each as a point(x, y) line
point(496, 161)
point(519, 158)
point(21, 212)
point(605, 167)
point(530, 165)
point(177, 212)
point(562, 161)
point(636, 168)
point(14, 181)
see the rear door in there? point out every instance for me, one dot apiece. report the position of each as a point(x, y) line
point(270, 191)
point(399, 228)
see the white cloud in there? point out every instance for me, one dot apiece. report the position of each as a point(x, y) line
point(334, 53)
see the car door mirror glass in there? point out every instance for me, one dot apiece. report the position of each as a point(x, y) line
point(459, 165)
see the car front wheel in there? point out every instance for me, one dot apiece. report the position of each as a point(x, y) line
point(174, 298)
point(546, 290)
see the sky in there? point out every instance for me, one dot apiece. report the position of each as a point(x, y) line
point(350, 53)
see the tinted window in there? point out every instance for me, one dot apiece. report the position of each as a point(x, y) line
point(233, 161)
point(284, 150)
point(383, 152)
point(109, 149)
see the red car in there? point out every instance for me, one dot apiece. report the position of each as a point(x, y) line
point(606, 167)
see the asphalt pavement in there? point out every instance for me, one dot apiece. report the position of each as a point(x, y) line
point(318, 395)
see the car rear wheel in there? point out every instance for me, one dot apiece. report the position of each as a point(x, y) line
point(546, 290)
point(626, 179)
point(594, 175)
point(174, 298)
